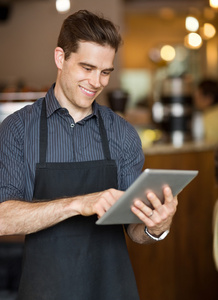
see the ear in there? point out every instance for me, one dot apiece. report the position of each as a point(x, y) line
point(59, 57)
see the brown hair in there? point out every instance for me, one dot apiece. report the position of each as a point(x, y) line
point(86, 26)
point(209, 87)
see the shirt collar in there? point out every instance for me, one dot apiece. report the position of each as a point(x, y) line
point(52, 103)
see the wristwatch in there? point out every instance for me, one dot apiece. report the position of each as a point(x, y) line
point(160, 238)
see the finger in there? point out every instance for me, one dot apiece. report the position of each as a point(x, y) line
point(112, 195)
point(154, 200)
point(106, 200)
point(143, 212)
point(107, 205)
point(170, 200)
point(100, 212)
point(168, 196)
point(100, 208)
point(140, 205)
point(142, 216)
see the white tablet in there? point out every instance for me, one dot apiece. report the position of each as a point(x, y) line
point(150, 180)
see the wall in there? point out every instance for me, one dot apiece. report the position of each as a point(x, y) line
point(145, 31)
point(28, 39)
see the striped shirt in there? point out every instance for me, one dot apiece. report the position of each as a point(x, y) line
point(67, 142)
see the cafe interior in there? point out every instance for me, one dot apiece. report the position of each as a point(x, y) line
point(168, 48)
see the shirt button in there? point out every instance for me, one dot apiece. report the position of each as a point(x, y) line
point(72, 125)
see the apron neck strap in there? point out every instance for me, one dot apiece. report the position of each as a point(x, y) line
point(44, 136)
point(103, 134)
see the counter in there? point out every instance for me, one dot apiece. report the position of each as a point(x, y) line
point(186, 148)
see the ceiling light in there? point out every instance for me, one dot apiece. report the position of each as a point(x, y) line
point(214, 3)
point(167, 53)
point(208, 31)
point(191, 24)
point(63, 6)
point(193, 41)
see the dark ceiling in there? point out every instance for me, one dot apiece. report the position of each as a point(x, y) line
point(154, 5)
point(165, 2)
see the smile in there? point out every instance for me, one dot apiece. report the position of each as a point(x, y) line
point(87, 92)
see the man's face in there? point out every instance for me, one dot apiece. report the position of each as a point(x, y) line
point(83, 76)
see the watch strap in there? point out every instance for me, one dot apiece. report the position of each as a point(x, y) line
point(160, 238)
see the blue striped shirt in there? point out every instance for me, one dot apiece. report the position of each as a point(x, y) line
point(67, 142)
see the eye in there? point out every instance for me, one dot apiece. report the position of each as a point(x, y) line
point(87, 68)
point(106, 73)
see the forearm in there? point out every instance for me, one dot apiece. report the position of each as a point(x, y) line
point(20, 217)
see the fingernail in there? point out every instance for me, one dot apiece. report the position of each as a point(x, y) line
point(150, 195)
point(167, 190)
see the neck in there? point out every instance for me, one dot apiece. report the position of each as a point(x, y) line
point(78, 115)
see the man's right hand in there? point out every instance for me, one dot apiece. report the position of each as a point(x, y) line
point(97, 203)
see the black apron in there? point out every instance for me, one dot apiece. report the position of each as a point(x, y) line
point(76, 259)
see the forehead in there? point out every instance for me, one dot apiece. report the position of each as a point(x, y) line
point(95, 54)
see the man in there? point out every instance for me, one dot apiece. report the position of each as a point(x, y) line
point(64, 161)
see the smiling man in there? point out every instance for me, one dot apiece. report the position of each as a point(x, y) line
point(63, 162)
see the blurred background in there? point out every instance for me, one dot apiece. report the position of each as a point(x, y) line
point(165, 85)
point(169, 47)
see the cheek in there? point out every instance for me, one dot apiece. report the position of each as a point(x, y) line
point(105, 81)
point(72, 73)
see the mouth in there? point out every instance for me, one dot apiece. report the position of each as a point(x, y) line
point(87, 92)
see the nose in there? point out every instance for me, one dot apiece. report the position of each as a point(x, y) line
point(95, 80)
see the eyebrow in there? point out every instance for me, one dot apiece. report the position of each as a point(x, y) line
point(94, 67)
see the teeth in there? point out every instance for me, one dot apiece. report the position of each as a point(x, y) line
point(87, 91)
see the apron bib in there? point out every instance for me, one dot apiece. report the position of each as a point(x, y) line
point(76, 259)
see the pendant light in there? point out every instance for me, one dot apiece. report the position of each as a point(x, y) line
point(214, 3)
point(191, 24)
point(63, 6)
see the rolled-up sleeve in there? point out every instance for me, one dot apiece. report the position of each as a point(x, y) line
point(11, 159)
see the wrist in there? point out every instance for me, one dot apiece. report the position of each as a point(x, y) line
point(156, 238)
point(71, 206)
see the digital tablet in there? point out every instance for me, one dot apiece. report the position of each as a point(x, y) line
point(149, 180)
